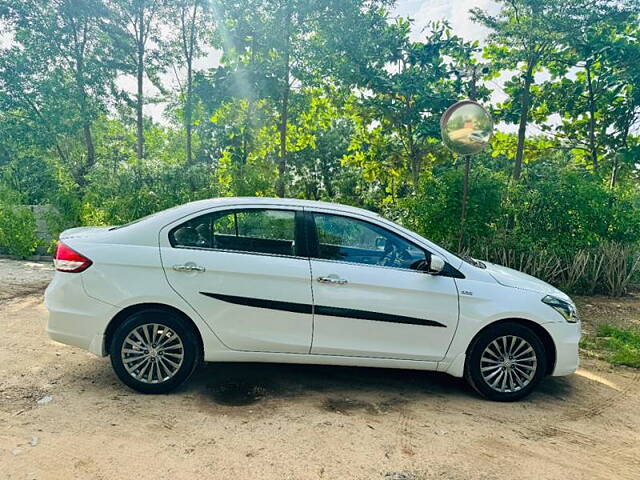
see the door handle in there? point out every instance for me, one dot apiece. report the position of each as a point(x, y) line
point(188, 267)
point(334, 279)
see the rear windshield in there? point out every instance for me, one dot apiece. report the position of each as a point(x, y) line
point(146, 217)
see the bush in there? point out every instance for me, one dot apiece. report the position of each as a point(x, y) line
point(17, 230)
point(129, 192)
point(561, 225)
point(608, 269)
point(435, 210)
point(567, 210)
point(621, 263)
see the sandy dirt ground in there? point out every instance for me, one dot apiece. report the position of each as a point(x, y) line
point(64, 415)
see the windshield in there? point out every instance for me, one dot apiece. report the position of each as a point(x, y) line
point(472, 261)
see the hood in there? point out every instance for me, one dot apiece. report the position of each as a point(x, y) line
point(515, 279)
point(82, 232)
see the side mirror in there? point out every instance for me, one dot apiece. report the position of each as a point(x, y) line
point(436, 265)
point(432, 266)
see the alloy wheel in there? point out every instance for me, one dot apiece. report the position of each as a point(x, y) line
point(152, 353)
point(508, 364)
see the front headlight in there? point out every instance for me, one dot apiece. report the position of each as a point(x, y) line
point(564, 308)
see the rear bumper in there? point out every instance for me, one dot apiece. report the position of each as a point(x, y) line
point(566, 337)
point(74, 317)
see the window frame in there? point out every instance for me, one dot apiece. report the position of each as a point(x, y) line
point(300, 245)
point(313, 240)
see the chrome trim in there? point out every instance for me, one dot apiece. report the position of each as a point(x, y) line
point(241, 252)
point(332, 279)
point(408, 270)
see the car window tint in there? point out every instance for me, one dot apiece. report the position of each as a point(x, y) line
point(259, 231)
point(271, 224)
point(255, 230)
point(350, 240)
point(194, 233)
point(225, 224)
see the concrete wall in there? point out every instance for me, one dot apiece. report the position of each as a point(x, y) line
point(40, 212)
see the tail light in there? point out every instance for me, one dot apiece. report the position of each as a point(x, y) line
point(68, 260)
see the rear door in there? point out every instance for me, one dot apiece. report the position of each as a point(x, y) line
point(243, 270)
point(369, 300)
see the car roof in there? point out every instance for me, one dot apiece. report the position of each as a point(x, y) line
point(269, 201)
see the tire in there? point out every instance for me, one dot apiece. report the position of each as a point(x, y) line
point(506, 362)
point(154, 351)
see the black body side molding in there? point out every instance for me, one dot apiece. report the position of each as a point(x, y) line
point(323, 310)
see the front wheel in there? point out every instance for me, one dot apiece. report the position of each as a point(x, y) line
point(154, 351)
point(506, 362)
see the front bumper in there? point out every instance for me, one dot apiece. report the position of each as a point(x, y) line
point(74, 317)
point(566, 337)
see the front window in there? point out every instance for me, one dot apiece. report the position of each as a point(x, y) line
point(350, 240)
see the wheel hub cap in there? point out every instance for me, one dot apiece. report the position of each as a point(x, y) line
point(508, 364)
point(152, 353)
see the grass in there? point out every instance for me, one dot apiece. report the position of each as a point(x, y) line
point(620, 346)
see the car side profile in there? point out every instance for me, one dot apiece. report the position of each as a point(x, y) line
point(295, 281)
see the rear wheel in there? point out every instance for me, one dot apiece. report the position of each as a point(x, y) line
point(154, 351)
point(506, 362)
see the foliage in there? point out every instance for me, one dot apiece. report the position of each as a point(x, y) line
point(336, 100)
point(17, 230)
point(134, 191)
point(568, 228)
point(435, 211)
point(621, 346)
point(405, 103)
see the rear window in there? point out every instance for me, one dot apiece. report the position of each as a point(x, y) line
point(252, 230)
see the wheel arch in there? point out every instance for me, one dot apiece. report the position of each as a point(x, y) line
point(126, 312)
point(539, 330)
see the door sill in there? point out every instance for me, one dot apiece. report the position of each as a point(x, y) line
point(319, 359)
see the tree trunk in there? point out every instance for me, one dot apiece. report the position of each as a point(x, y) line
point(415, 170)
point(88, 140)
point(86, 124)
point(189, 45)
point(414, 158)
point(524, 117)
point(188, 111)
point(592, 119)
point(282, 161)
point(465, 195)
point(140, 93)
point(614, 173)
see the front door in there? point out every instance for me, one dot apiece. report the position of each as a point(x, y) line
point(369, 300)
point(241, 271)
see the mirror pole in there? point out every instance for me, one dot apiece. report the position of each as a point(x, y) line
point(466, 129)
point(465, 195)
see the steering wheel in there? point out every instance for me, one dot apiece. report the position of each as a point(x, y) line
point(394, 255)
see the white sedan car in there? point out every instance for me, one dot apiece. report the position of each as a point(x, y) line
point(280, 280)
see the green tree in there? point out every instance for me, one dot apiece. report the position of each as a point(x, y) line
point(398, 122)
point(192, 22)
point(63, 38)
point(521, 39)
point(594, 101)
point(273, 47)
point(134, 27)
